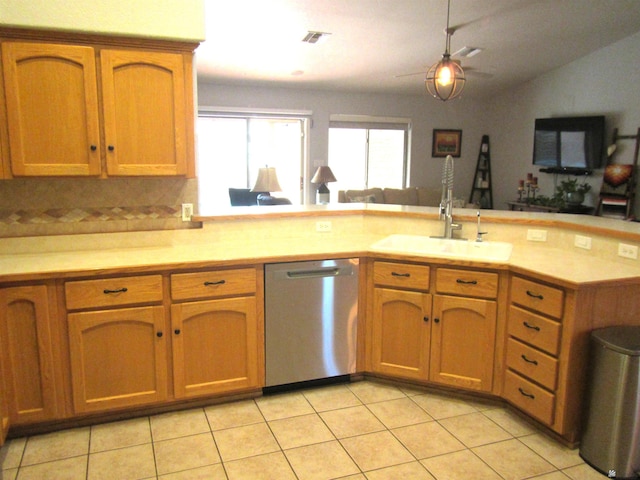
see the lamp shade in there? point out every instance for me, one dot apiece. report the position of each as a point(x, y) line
point(323, 175)
point(267, 181)
point(445, 80)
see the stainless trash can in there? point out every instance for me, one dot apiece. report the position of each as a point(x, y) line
point(611, 437)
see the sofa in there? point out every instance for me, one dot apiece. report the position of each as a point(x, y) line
point(421, 196)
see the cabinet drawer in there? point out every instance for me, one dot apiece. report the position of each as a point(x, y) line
point(532, 363)
point(216, 283)
point(529, 397)
point(415, 277)
point(538, 297)
point(467, 282)
point(108, 292)
point(534, 329)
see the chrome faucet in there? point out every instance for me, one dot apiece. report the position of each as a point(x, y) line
point(478, 232)
point(446, 200)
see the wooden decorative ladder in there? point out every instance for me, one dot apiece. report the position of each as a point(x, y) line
point(481, 191)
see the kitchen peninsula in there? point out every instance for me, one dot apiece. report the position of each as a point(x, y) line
point(69, 283)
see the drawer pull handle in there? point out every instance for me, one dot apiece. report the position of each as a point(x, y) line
point(396, 274)
point(529, 395)
point(524, 357)
point(106, 291)
point(466, 282)
point(535, 295)
point(219, 282)
point(532, 327)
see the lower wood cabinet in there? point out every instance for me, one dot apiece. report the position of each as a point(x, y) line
point(118, 358)
point(26, 319)
point(214, 346)
point(4, 407)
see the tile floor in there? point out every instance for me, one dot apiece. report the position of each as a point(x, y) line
point(363, 430)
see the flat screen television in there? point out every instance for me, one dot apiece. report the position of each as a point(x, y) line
point(571, 145)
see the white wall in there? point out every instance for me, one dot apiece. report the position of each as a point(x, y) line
point(605, 82)
point(179, 20)
point(426, 114)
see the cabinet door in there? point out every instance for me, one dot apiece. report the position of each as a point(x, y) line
point(4, 407)
point(215, 346)
point(463, 343)
point(144, 112)
point(27, 360)
point(118, 358)
point(52, 109)
point(401, 332)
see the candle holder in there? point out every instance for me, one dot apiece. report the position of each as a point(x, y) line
point(530, 186)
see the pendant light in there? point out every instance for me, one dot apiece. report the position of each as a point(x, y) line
point(445, 79)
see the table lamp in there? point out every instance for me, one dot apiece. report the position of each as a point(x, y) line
point(323, 176)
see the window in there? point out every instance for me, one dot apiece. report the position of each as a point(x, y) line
point(231, 149)
point(368, 154)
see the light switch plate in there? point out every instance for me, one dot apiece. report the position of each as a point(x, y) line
point(187, 212)
point(537, 235)
point(628, 251)
point(581, 241)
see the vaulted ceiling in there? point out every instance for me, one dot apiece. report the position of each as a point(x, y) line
point(386, 46)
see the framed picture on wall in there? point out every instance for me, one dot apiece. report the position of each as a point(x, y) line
point(446, 142)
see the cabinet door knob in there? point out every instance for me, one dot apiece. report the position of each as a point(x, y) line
point(111, 148)
point(159, 334)
point(426, 319)
point(94, 148)
point(436, 320)
point(177, 331)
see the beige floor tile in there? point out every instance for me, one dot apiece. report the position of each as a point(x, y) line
point(272, 466)
point(509, 421)
point(474, 429)
point(56, 446)
point(441, 406)
point(553, 476)
point(427, 440)
point(583, 472)
point(351, 421)
point(299, 431)
point(210, 472)
point(376, 450)
point(124, 464)
point(370, 392)
point(246, 441)
point(184, 453)
point(10, 474)
point(459, 465)
point(321, 461)
point(357, 476)
point(11, 453)
point(513, 460)
point(126, 433)
point(179, 424)
point(67, 469)
point(284, 405)
point(234, 414)
point(553, 452)
point(413, 471)
point(399, 413)
point(331, 398)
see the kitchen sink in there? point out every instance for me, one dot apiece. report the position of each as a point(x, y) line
point(445, 247)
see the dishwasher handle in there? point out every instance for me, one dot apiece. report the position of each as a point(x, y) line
point(317, 272)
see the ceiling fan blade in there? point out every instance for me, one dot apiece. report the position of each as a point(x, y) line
point(410, 74)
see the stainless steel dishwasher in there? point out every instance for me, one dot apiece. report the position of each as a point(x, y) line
point(311, 312)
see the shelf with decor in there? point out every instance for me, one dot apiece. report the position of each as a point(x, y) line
point(481, 191)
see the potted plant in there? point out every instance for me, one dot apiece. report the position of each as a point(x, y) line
point(572, 191)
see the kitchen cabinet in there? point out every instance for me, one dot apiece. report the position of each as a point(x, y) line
point(26, 316)
point(464, 328)
point(145, 126)
point(4, 407)
point(401, 329)
point(215, 332)
point(118, 356)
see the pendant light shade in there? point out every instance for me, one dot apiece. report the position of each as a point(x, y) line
point(445, 80)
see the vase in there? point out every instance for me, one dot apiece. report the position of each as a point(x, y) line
point(575, 198)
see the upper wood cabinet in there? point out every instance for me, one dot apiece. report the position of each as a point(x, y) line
point(52, 109)
point(144, 102)
point(86, 110)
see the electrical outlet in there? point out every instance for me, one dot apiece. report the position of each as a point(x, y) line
point(628, 251)
point(581, 241)
point(187, 212)
point(323, 226)
point(537, 235)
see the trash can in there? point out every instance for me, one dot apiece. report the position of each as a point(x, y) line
point(611, 435)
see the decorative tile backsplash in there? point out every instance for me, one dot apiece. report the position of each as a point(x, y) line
point(74, 215)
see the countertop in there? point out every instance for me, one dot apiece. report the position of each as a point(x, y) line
point(239, 239)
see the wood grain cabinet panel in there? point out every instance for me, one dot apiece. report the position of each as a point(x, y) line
point(27, 350)
point(52, 109)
